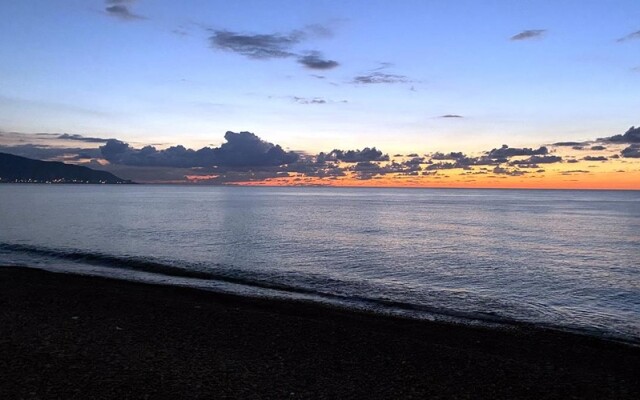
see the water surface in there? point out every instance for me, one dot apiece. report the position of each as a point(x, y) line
point(568, 259)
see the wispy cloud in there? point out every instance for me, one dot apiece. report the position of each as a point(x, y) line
point(259, 46)
point(380, 77)
point(632, 36)
point(80, 138)
point(314, 100)
point(529, 34)
point(120, 9)
point(305, 100)
point(266, 46)
point(451, 116)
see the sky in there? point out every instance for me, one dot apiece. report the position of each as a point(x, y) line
point(310, 77)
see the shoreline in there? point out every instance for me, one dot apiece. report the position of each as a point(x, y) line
point(63, 334)
point(391, 310)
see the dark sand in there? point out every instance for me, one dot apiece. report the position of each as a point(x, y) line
point(64, 336)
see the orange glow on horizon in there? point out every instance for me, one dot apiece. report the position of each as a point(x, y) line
point(603, 180)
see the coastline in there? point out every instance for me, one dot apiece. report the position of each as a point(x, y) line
point(69, 335)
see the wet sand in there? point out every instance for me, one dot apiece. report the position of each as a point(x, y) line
point(66, 336)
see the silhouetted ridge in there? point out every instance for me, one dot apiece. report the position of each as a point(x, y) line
point(26, 170)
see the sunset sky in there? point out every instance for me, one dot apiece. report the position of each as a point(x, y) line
point(434, 86)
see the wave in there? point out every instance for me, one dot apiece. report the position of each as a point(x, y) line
point(195, 271)
point(226, 274)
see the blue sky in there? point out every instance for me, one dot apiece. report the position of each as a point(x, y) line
point(159, 76)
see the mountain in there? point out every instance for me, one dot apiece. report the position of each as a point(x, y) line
point(16, 169)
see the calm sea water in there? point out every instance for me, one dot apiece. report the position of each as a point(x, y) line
point(566, 259)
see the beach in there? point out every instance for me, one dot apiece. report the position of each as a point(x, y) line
point(71, 336)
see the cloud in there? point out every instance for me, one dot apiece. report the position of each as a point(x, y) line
point(314, 60)
point(506, 152)
point(80, 138)
point(511, 172)
point(275, 45)
point(120, 9)
point(543, 159)
point(45, 152)
point(567, 144)
point(632, 151)
point(438, 166)
point(451, 116)
point(461, 161)
point(595, 158)
point(380, 77)
point(368, 170)
point(242, 149)
point(449, 156)
point(632, 36)
point(598, 148)
point(260, 46)
point(353, 156)
point(630, 136)
point(529, 34)
point(305, 100)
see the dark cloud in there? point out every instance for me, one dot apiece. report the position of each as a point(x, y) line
point(632, 151)
point(275, 45)
point(529, 34)
point(461, 161)
point(45, 152)
point(595, 158)
point(369, 170)
point(242, 149)
point(451, 116)
point(631, 36)
point(449, 156)
point(80, 138)
point(511, 172)
point(598, 148)
point(437, 166)
point(120, 9)
point(540, 160)
point(575, 171)
point(314, 60)
point(380, 77)
point(568, 144)
point(353, 156)
point(259, 46)
point(630, 136)
point(533, 161)
point(506, 152)
point(528, 166)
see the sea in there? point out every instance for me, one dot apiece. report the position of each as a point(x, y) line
point(558, 259)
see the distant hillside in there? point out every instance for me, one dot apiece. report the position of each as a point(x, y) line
point(16, 169)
